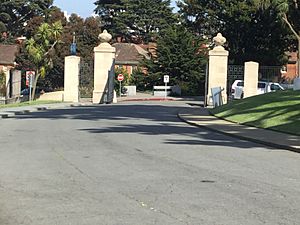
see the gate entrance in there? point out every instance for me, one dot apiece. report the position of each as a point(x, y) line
point(86, 80)
point(269, 73)
point(235, 72)
point(265, 73)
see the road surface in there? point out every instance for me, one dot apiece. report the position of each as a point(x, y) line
point(138, 164)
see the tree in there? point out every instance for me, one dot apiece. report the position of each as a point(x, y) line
point(288, 11)
point(136, 20)
point(15, 14)
point(252, 34)
point(182, 56)
point(41, 48)
point(109, 11)
point(24, 62)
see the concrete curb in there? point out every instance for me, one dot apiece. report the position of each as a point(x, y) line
point(146, 99)
point(266, 143)
point(36, 108)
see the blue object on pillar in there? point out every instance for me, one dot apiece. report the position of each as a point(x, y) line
point(73, 49)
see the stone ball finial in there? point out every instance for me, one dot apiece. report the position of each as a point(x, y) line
point(105, 37)
point(219, 40)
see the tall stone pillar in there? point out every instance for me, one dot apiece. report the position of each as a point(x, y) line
point(6, 70)
point(250, 79)
point(16, 83)
point(104, 63)
point(218, 64)
point(71, 82)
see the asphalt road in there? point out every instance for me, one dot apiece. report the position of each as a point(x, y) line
point(137, 164)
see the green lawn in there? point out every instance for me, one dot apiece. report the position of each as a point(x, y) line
point(277, 111)
point(37, 102)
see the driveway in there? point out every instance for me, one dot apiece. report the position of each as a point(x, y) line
point(138, 164)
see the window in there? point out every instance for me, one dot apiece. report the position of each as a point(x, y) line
point(261, 85)
point(275, 87)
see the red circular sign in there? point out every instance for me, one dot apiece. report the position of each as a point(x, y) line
point(120, 77)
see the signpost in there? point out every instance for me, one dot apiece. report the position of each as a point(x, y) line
point(166, 81)
point(29, 81)
point(120, 79)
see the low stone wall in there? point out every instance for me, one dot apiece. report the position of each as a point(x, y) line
point(131, 90)
point(52, 96)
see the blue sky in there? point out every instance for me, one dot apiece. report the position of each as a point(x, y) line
point(84, 8)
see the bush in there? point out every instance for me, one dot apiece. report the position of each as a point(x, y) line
point(140, 80)
point(192, 89)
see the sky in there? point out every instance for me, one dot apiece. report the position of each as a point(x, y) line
point(84, 8)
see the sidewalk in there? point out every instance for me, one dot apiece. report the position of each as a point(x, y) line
point(13, 111)
point(149, 97)
point(143, 97)
point(201, 117)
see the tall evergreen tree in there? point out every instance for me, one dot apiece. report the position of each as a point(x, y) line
point(182, 56)
point(287, 11)
point(15, 14)
point(136, 20)
point(109, 11)
point(252, 34)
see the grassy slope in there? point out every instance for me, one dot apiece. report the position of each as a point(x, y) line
point(278, 111)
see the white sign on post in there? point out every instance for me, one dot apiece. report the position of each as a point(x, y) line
point(166, 81)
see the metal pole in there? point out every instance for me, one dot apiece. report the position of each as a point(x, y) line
point(30, 83)
point(298, 58)
point(165, 91)
point(120, 88)
point(206, 85)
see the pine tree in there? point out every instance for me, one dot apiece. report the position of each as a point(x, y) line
point(136, 20)
point(288, 11)
point(252, 34)
point(15, 14)
point(182, 56)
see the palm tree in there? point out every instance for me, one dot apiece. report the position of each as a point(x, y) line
point(40, 48)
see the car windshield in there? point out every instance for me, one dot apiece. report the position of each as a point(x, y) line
point(240, 84)
point(261, 85)
point(275, 87)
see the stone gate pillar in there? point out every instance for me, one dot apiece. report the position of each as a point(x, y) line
point(71, 81)
point(250, 79)
point(218, 64)
point(104, 63)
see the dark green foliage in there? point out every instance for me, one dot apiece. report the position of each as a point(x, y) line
point(14, 14)
point(86, 37)
point(109, 11)
point(252, 34)
point(140, 80)
point(136, 20)
point(182, 56)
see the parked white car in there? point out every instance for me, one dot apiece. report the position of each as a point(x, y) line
point(237, 88)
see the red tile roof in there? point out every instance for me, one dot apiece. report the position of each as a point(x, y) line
point(8, 54)
point(127, 53)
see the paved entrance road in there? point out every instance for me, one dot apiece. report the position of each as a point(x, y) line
point(138, 164)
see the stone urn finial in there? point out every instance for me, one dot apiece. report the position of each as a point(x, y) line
point(105, 37)
point(219, 41)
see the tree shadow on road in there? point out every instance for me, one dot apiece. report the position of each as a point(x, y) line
point(146, 119)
